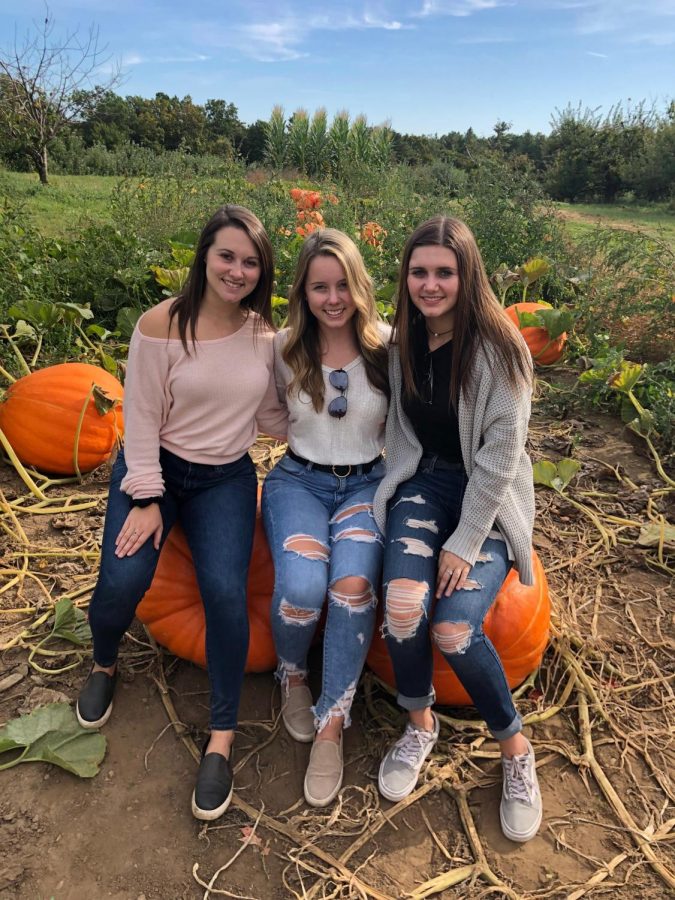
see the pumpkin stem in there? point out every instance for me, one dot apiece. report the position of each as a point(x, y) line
point(19, 355)
point(5, 374)
point(23, 474)
point(78, 431)
point(38, 347)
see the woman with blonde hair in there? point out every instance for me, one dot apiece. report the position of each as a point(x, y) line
point(457, 501)
point(331, 369)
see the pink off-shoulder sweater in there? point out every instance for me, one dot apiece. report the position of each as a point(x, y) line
point(206, 406)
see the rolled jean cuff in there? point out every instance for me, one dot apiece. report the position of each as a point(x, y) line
point(414, 703)
point(505, 733)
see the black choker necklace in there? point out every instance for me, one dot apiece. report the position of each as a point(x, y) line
point(439, 333)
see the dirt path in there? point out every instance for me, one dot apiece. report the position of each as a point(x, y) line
point(128, 833)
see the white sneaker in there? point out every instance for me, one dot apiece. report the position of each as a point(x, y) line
point(520, 810)
point(400, 768)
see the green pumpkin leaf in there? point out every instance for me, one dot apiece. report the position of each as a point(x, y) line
point(72, 312)
point(557, 321)
point(52, 734)
point(171, 279)
point(533, 269)
point(626, 378)
point(555, 476)
point(182, 255)
point(42, 315)
point(24, 331)
point(567, 469)
point(544, 471)
point(70, 624)
point(643, 424)
point(126, 320)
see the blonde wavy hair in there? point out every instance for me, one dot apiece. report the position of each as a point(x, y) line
point(302, 352)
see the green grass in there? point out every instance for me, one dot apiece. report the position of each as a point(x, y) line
point(654, 219)
point(59, 208)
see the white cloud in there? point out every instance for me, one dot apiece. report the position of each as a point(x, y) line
point(459, 7)
point(285, 38)
point(599, 55)
point(135, 59)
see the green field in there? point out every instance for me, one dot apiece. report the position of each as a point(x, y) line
point(654, 219)
point(59, 208)
point(68, 201)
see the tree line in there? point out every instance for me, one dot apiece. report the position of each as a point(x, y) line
point(51, 113)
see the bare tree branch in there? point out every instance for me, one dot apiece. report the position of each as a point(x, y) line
point(42, 81)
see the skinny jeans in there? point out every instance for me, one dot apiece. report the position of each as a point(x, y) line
point(422, 515)
point(216, 507)
point(300, 503)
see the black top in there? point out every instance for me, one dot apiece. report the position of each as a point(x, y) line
point(432, 415)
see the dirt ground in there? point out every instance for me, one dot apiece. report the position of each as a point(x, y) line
point(128, 833)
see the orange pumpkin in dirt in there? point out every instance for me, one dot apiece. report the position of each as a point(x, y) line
point(544, 351)
point(517, 624)
point(42, 412)
point(173, 611)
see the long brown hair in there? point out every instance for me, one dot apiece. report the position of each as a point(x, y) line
point(479, 319)
point(302, 350)
point(188, 302)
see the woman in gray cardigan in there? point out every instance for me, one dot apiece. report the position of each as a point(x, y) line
point(456, 503)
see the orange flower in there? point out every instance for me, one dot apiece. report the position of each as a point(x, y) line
point(373, 234)
point(306, 199)
point(331, 198)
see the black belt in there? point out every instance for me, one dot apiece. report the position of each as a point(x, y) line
point(338, 471)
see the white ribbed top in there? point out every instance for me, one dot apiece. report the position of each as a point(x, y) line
point(356, 438)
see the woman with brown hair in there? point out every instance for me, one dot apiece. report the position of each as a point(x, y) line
point(456, 503)
point(199, 385)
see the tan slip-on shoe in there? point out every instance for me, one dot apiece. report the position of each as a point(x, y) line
point(297, 713)
point(323, 778)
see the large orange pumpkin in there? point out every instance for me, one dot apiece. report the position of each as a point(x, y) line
point(543, 350)
point(517, 624)
point(41, 412)
point(173, 611)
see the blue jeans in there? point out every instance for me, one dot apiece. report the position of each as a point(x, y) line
point(324, 540)
point(216, 507)
point(422, 514)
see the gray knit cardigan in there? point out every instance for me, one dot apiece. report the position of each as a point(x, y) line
point(493, 423)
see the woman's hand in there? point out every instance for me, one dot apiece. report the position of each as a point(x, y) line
point(452, 573)
point(138, 526)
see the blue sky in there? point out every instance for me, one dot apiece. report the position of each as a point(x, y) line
point(426, 66)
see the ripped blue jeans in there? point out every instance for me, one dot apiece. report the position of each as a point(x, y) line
point(422, 514)
point(324, 543)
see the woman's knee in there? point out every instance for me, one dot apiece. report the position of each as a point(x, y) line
point(353, 592)
point(405, 603)
point(452, 638)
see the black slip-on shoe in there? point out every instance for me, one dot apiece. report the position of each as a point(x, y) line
point(213, 791)
point(94, 704)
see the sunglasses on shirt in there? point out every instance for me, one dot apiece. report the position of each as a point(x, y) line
point(338, 379)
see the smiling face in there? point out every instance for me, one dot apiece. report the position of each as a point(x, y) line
point(232, 267)
point(327, 292)
point(433, 284)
